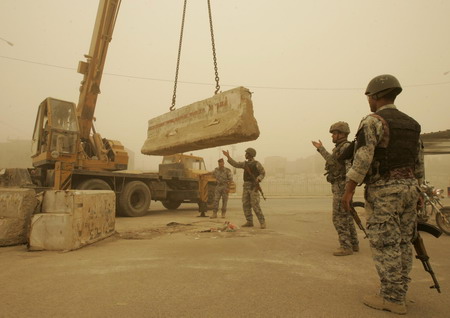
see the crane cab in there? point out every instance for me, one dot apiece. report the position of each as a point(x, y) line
point(56, 133)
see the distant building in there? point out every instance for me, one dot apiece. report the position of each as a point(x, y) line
point(309, 165)
point(275, 166)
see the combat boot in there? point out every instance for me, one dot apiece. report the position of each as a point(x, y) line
point(247, 224)
point(223, 214)
point(355, 248)
point(263, 225)
point(213, 216)
point(378, 302)
point(343, 252)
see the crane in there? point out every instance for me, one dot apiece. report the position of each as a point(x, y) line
point(64, 136)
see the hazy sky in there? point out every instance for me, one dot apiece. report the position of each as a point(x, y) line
point(307, 63)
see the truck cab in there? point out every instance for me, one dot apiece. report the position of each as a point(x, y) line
point(181, 166)
point(188, 181)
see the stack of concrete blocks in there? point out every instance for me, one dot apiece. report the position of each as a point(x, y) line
point(16, 208)
point(72, 219)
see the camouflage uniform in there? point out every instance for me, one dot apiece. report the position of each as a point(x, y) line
point(223, 177)
point(336, 169)
point(390, 207)
point(250, 196)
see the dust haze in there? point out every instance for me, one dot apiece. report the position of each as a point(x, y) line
point(306, 62)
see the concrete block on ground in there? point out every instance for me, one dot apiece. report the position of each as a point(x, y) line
point(224, 119)
point(16, 208)
point(72, 219)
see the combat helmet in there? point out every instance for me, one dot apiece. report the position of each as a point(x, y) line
point(340, 126)
point(251, 152)
point(382, 85)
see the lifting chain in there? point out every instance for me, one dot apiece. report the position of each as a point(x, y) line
point(213, 49)
point(179, 54)
point(178, 59)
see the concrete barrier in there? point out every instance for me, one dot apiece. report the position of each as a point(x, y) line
point(72, 219)
point(16, 207)
point(226, 118)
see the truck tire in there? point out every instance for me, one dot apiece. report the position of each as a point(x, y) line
point(93, 184)
point(134, 200)
point(171, 205)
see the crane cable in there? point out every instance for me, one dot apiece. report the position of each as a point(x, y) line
point(216, 73)
point(178, 59)
point(213, 49)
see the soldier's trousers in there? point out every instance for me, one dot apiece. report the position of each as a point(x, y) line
point(250, 200)
point(221, 191)
point(391, 216)
point(342, 220)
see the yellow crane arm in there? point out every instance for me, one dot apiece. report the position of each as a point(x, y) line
point(92, 69)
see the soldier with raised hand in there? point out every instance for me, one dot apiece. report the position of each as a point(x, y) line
point(336, 166)
point(224, 178)
point(254, 173)
point(388, 159)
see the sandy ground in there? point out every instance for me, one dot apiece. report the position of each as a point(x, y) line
point(164, 265)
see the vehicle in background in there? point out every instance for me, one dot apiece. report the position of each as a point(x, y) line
point(432, 205)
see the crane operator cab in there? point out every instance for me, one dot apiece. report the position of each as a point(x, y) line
point(56, 133)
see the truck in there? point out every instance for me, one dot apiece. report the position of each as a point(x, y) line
point(68, 153)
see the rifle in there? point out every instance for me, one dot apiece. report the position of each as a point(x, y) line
point(257, 186)
point(357, 219)
point(422, 253)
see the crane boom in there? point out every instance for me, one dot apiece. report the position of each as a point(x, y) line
point(92, 69)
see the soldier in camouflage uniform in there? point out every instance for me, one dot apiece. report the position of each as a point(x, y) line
point(254, 173)
point(224, 178)
point(389, 160)
point(336, 167)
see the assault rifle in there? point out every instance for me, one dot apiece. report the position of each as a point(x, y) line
point(422, 253)
point(255, 182)
point(357, 219)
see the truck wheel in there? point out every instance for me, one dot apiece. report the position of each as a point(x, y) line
point(135, 199)
point(171, 205)
point(93, 184)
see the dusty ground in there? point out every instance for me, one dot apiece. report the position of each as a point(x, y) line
point(163, 265)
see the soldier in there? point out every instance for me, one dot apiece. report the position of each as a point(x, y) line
point(254, 173)
point(336, 167)
point(224, 178)
point(389, 160)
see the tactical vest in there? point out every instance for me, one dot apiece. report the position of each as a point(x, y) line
point(398, 148)
point(253, 169)
point(337, 172)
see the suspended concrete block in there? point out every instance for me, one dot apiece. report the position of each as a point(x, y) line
point(72, 219)
point(226, 118)
point(16, 207)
